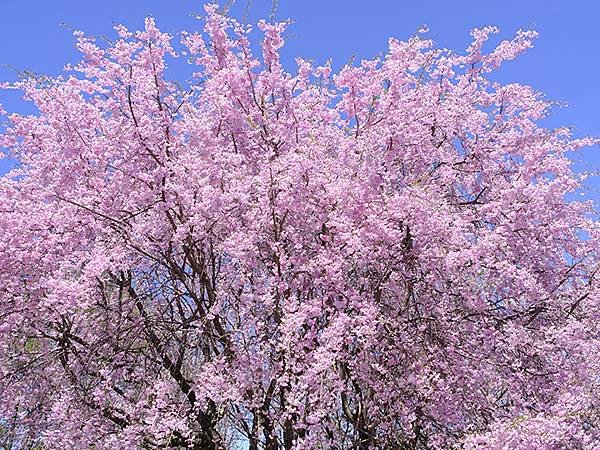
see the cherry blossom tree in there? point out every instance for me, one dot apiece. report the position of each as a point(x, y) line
point(381, 258)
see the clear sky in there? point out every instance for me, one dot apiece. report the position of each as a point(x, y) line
point(565, 63)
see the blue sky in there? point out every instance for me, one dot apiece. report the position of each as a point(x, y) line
point(564, 64)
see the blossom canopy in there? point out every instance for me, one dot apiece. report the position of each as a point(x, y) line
point(379, 258)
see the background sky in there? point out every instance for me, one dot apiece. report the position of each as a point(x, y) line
point(565, 62)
